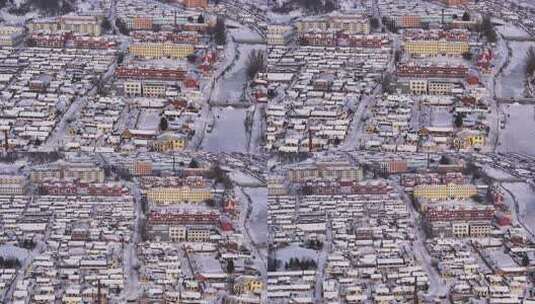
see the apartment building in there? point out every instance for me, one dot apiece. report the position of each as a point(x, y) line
point(12, 184)
point(325, 171)
point(169, 142)
point(160, 50)
point(278, 34)
point(436, 47)
point(335, 22)
point(82, 172)
point(455, 2)
point(171, 195)
point(444, 192)
point(11, 35)
point(89, 25)
point(431, 87)
point(156, 73)
point(196, 3)
point(436, 42)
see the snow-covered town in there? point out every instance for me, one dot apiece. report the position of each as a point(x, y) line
point(267, 151)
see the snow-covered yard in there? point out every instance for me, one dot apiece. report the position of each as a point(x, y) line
point(519, 129)
point(258, 217)
point(228, 133)
point(511, 80)
point(525, 197)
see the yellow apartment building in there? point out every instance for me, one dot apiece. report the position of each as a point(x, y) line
point(436, 47)
point(444, 192)
point(170, 195)
point(160, 50)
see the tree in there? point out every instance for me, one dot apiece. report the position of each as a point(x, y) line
point(444, 160)
point(525, 260)
point(386, 83)
point(210, 202)
point(193, 163)
point(466, 16)
point(374, 23)
point(230, 266)
point(397, 56)
point(48, 7)
point(467, 56)
point(120, 58)
point(122, 27)
point(458, 120)
point(105, 24)
point(255, 63)
point(192, 58)
point(163, 124)
point(219, 31)
point(530, 62)
point(487, 29)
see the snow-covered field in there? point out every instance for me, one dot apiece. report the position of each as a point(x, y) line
point(294, 251)
point(10, 251)
point(258, 217)
point(497, 174)
point(228, 134)
point(525, 197)
point(149, 119)
point(519, 133)
point(511, 30)
point(511, 81)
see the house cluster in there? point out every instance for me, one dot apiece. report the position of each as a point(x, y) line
point(419, 14)
point(149, 15)
point(89, 25)
point(520, 14)
point(244, 12)
point(437, 107)
point(360, 237)
point(89, 236)
point(193, 235)
point(39, 85)
point(77, 245)
point(313, 91)
point(11, 35)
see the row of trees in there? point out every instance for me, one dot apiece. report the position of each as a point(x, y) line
point(256, 63)
point(297, 264)
point(487, 29)
point(530, 62)
point(52, 7)
point(218, 31)
point(9, 263)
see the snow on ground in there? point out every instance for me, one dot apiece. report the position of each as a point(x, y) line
point(284, 18)
point(441, 117)
point(511, 30)
point(511, 81)
point(524, 195)
point(206, 263)
point(228, 133)
point(245, 33)
point(148, 120)
point(257, 221)
point(294, 251)
point(497, 174)
point(17, 20)
point(258, 127)
point(10, 251)
point(229, 88)
point(519, 133)
point(242, 178)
